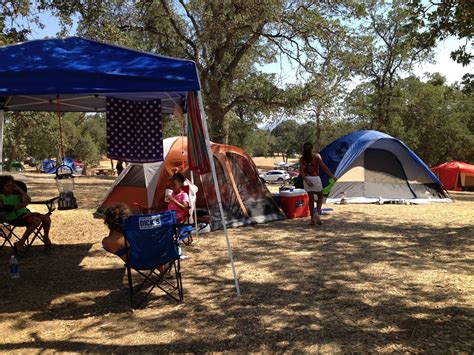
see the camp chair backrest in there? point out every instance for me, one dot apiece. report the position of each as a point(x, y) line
point(150, 238)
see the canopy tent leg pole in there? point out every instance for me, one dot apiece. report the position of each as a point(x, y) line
point(195, 209)
point(218, 192)
point(2, 120)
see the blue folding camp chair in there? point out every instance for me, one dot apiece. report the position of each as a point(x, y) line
point(185, 229)
point(152, 243)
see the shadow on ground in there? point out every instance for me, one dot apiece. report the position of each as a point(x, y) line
point(355, 284)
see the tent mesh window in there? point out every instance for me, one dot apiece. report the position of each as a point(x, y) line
point(232, 210)
point(384, 175)
point(252, 192)
point(134, 178)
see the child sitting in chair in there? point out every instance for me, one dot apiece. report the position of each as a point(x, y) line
point(115, 242)
point(179, 200)
point(13, 200)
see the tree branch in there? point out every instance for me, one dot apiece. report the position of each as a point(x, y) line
point(229, 70)
point(178, 30)
point(191, 17)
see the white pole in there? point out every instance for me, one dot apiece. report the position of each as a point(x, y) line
point(218, 191)
point(195, 209)
point(2, 120)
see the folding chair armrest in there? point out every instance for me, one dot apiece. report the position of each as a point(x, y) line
point(49, 203)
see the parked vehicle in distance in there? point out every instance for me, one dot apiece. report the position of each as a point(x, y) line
point(275, 176)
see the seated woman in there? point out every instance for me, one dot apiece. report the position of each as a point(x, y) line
point(115, 241)
point(179, 200)
point(15, 200)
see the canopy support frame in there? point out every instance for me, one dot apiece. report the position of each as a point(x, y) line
point(218, 192)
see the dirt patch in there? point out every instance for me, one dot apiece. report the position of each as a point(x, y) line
point(372, 278)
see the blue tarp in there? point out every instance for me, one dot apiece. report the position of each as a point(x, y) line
point(83, 72)
point(341, 153)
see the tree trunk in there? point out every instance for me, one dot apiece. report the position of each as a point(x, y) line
point(11, 157)
point(215, 112)
point(84, 169)
point(318, 129)
point(388, 103)
point(380, 111)
point(226, 127)
point(216, 122)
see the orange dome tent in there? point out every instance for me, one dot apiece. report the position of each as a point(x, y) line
point(455, 175)
point(245, 198)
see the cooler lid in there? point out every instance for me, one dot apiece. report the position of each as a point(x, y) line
point(294, 192)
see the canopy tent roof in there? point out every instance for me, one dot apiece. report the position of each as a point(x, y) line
point(80, 74)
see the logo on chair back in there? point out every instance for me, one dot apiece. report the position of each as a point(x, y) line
point(149, 222)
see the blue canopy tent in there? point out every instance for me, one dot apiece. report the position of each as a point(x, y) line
point(77, 75)
point(81, 73)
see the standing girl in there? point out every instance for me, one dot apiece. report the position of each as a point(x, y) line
point(179, 200)
point(309, 170)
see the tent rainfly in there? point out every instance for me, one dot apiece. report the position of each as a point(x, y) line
point(77, 74)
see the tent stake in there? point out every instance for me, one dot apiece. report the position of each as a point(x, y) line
point(218, 192)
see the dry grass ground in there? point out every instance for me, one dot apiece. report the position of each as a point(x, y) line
point(372, 278)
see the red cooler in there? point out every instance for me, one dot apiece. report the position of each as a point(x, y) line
point(294, 203)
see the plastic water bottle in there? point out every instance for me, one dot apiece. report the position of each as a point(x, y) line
point(14, 268)
point(180, 251)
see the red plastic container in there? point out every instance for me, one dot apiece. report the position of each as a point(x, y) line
point(294, 203)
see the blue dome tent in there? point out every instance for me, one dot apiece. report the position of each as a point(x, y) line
point(78, 75)
point(372, 166)
point(49, 166)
